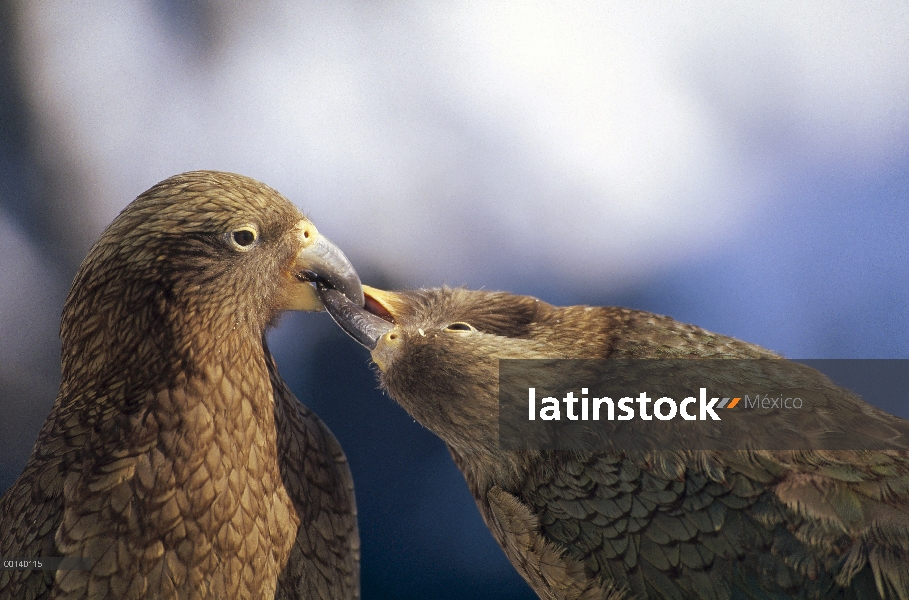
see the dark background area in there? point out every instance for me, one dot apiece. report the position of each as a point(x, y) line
point(743, 169)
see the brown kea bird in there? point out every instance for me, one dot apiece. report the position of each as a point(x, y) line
point(633, 524)
point(175, 458)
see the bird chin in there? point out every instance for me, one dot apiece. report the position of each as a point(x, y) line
point(303, 296)
point(380, 362)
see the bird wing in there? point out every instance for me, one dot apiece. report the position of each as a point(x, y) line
point(661, 537)
point(32, 510)
point(325, 559)
point(547, 567)
point(36, 499)
point(855, 502)
point(731, 523)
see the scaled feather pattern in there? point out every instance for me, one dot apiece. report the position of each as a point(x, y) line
point(622, 524)
point(175, 458)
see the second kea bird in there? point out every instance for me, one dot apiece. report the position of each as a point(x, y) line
point(621, 523)
point(175, 461)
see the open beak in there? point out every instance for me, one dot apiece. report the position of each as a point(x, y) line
point(323, 264)
point(362, 325)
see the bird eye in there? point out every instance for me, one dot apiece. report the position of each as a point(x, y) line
point(460, 327)
point(243, 238)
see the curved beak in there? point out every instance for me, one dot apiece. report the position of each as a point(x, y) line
point(323, 264)
point(360, 324)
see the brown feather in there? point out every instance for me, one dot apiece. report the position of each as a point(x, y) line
point(175, 457)
point(661, 524)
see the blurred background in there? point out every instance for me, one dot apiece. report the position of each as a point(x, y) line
point(744, 168)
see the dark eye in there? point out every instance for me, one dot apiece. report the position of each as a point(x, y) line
point(460, 327)
point(243, 238)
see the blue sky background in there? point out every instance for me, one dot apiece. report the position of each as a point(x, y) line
point(744, 168)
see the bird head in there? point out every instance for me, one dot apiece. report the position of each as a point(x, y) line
point(199, 253)
point(437, 351)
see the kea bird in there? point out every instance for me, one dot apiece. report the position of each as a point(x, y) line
point(175, 460)
point(623, 524)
